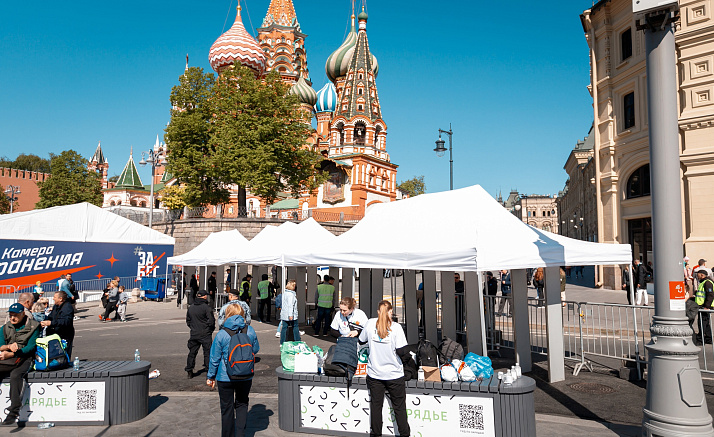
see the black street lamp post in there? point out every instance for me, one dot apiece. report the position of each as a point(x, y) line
point(440, 150)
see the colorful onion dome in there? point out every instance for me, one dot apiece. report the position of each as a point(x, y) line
point(362, 15)
point(339, 62)
point(237, 45)
point(326, 98)
point(304, 91)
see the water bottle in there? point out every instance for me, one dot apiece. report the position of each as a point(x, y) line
point(76, 363)
point(421, 373)
point(519, 373)
point(137, 357)
point(513, 373)
point(46, 425)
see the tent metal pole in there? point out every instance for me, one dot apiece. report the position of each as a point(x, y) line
point(182, 290)
point(484, 352)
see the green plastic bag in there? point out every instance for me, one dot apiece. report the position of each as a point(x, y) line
point(318, 350)
point(287, 353)
point(363, 356)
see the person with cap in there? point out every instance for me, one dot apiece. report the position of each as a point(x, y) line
point(17, 351)
point(60, 321)
point(704, 298)
point(233, 298)
point(202, 323)
point(24, 299)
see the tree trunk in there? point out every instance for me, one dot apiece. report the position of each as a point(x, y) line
point(242, 202)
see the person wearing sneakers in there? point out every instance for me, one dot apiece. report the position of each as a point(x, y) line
point(112, 301)
point(123, 300)
point(18, 338)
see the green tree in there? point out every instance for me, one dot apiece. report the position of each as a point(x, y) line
point(70, 182)
point(191, 156)
point(27, 162)
point(4, 201)
point(173, 197)
point(242, 131)
point(113, 178)
point(414, 186)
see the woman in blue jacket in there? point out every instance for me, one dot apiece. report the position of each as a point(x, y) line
point(233, 394)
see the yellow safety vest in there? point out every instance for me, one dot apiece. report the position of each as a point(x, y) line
point(701, 295)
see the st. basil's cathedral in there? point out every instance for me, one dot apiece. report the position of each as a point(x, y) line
point(351, 134)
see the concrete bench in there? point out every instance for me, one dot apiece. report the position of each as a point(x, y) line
point(319, 404)
point(99, 393)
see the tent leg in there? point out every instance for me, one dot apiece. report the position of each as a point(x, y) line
point(183, 294)
point(554, 325)
point(410, 306)
point(448, 305)
point(475, 327)
point(521, 328)
point(430, 314)
point(365, 292)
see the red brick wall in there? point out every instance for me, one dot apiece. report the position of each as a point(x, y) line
point(27, 181)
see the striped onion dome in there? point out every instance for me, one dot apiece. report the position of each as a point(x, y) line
point(237, 45)
point(304, 91)
point(326, 98)
point(339, 61)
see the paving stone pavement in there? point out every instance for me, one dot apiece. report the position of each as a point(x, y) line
point(179, 414)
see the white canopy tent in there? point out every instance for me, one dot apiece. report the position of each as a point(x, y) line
point(217, 249)
point(81, 222)
point(463, 230)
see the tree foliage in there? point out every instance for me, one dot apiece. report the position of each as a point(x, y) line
point(173, 197)
point(238, 131)
point(70, 182)
point(414, 186)
point(5, 201)
point(27, 162)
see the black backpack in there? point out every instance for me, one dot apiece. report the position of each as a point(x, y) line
point(341, 360)
point(427, 354)
point(451, 349)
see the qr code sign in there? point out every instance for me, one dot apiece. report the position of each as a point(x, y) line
point(86, 400)
point(471, 417)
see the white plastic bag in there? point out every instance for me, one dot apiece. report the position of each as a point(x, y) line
point(465, 372)
point(449, 373)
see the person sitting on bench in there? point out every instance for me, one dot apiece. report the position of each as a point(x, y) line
point(17, 350)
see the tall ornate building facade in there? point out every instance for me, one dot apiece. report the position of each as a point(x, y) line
point(618, 87)
point(576, 203)
point(350, 134)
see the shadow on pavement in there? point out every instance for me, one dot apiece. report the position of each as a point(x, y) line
point(259, 419)
point(579, 410)
point(156, 401)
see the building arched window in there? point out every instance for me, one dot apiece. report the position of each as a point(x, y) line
point(360, 133)
point(638, 185)
point(341, 130)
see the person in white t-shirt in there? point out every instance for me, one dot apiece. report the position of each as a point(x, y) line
point(350, 321)
point(384, 369)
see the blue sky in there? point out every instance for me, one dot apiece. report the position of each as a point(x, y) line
point(511, 81)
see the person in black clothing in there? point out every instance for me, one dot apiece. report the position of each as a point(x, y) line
point(194, 289)
point(18, 337)
point(105, 292)
point(212, 286)
point(61, 320)
point(626, 285)
point(704, 292)
point(202, 323)
point(491, 284)
point(458, 283)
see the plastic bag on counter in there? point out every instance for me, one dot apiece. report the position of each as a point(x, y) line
point(449, 373)
point(481, 366)
point(317, 350)
point(465, 372)
point(287, 353)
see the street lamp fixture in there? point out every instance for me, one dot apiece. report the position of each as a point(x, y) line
point(155, 159)
point(440, 150)
point(12, 190)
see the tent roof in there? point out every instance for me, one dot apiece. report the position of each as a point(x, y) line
point(217, 249)
point(285, 204)
point(464, 230)
point(82, 222)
